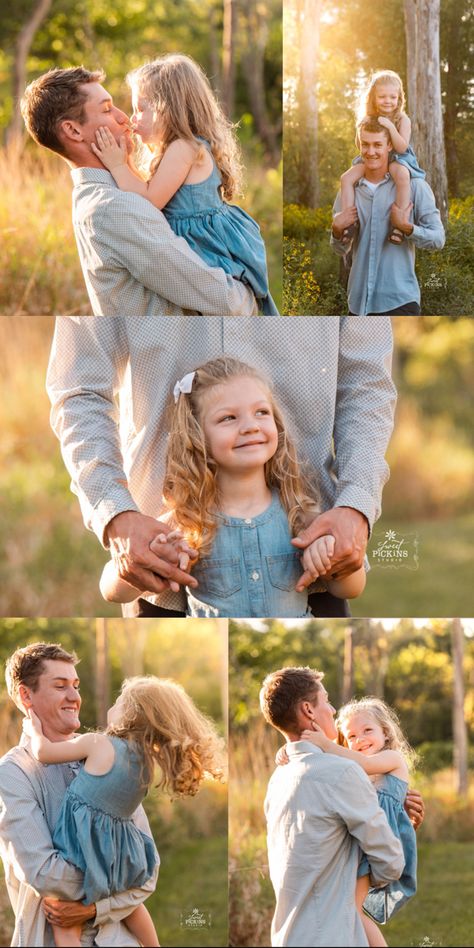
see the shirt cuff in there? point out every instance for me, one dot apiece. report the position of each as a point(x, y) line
point(360, 499)
point(102, 912)
point(107, 509)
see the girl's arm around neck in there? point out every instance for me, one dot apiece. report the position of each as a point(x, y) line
point(171, 172)
point(384, 762)
point(62, 752)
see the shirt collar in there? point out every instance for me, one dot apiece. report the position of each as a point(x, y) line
point(97, 175)
point(296, 748)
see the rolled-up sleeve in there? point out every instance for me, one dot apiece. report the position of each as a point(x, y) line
point(364, 414)
point(87, 363)
point(428, 231)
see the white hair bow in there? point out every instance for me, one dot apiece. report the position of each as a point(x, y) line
point(184, 386)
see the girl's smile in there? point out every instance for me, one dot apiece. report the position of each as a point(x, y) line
point(238, 424)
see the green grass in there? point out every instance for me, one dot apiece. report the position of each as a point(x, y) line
point(441, 913)
point(443, 576)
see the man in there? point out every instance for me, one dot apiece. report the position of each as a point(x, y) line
point(133, 264)
point(382, 278)
point(331, 375)
point(318, 815)
point(43, 677)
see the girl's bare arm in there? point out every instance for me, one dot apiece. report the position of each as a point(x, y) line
point(384, 762)
point(401, 137)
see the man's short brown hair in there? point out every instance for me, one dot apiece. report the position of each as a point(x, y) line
point(26, 665)
point(371, 124)
point(283, 690)
point(53, 97)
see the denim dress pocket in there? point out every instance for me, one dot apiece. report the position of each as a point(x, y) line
point(221, 578)
point(284, 570)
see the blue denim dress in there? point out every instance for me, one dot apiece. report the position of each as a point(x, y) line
point(95, 831)
point(222, 234)
point(382, 903)
point(252, 569)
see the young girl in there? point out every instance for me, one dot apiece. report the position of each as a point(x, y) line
point(194, 170)
point(373, 738)
point(152, 722)
point(236, 491)
point(384, 99)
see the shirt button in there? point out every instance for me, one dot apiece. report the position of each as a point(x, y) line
point(247, 521)
point(255, 575)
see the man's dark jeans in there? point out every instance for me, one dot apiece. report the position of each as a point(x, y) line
point(408, 309)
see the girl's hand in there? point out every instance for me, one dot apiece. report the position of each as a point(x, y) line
point(316, 560)
point(281, 756)
point(383, 120)
point(187, 555)
point(32, 726)
point(110, 154)
point(317, 737)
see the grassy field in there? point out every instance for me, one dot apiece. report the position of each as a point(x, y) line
point(440, 913)
point(444, 567)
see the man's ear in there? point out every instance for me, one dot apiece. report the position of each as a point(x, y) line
point(71, 130)
point(308, 710)
point(24, 695)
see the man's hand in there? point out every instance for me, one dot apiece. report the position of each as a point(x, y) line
point(67, 914)
point(415, 807)
point(130, 535)
point(400, 218)
point(342, 220)
point(350, 530)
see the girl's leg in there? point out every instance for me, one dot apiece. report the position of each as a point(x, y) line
point(348, 182)
point(141, 925)
point(374, 935)
point(67, 937)
point(401, 177)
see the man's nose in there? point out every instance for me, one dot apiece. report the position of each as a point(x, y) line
point(121, 117)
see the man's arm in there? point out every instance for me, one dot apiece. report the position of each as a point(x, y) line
point(165, 264)
point(355, 801)
point(88, 360)
point(426, 231)
point(25, 839)
point(341, 220)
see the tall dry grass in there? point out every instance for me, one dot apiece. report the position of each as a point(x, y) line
point(38, 255)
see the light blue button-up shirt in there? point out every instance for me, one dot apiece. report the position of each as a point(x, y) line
point(382, 275)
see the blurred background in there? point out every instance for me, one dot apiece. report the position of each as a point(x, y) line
point(190, 834)
point(50, 564)
point(37, 252)
point(424, 669)
point(330, 51)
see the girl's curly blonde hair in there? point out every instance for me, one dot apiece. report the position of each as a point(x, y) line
point(181, 95)
point(385, 717)
point(159, 716)
point(190, 489)
point(368, 106)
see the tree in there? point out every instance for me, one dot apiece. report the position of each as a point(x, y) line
point(14, 132)
point(253, 60)
point(309, 13)
point(228, 56)
point(459, 722)
point(422, 18)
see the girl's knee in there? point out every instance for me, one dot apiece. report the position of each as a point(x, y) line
point(398, 171)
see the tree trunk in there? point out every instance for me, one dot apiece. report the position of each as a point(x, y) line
point(424, 94)
point(309, 12)
point(228, 57)
point(454, 67)
point(348, 679)
point(15, 132)
point(253, 60)
point(222, 626)
point(459, 721)
point(215, 76)
point(102, 680)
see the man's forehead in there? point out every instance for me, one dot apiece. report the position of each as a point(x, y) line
point(96, 93)
point(373, 138)
point(57, 669)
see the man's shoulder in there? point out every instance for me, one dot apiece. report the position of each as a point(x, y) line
point(93, 198)
point(15, 758)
